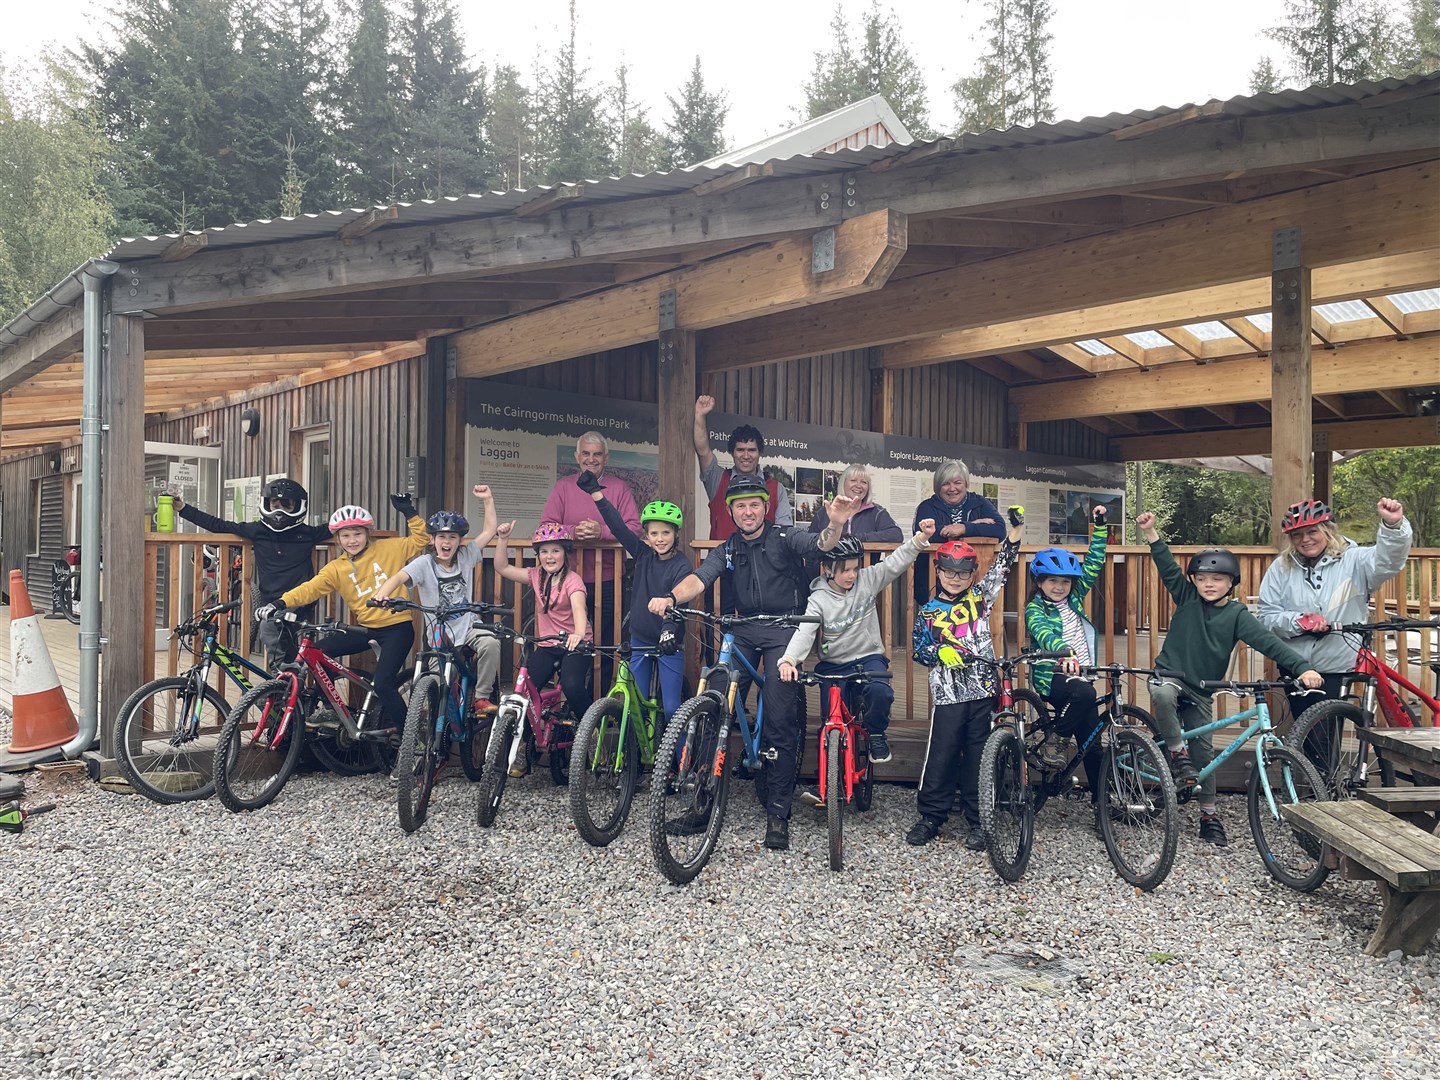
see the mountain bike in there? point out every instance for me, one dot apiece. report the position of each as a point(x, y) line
point(441, 713)
point(260, 741)
point(1281, 775)
point(167, 730)
point(530, 722)
point(1344, 759)
point(691, 784)
point(65, 585)
point(846, 775)
point(615, 739)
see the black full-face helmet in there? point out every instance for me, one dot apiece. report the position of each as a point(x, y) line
point(282, 504)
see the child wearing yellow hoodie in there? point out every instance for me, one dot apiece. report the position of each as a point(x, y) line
point(356, 573)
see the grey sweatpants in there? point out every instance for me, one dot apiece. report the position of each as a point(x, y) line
point(1177, 709)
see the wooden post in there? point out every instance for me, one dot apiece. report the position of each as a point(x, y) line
point(122, 519)
point(438, 464)
point(882, 395)
point(1324, 459)
point(1290, 441)
point(676, 394)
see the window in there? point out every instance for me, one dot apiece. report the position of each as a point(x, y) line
point(315, 470)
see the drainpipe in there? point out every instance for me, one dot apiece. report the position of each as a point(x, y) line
point(95, 276)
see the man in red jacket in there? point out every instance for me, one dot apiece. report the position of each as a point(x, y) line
point(746, 446)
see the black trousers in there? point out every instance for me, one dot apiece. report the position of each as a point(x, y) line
point(394, 642)
point(1316, 745)
point(763, 646)
point(952, 760)
point(1073, 702)
point(574, 668)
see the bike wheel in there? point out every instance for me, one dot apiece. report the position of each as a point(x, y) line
point(472, 746)
point(258, 749)
point(865, 786)
point(339, 752)
point(165, 738)
point(1291, 856)
point(1139, 817)
point(1327, 735)
point(421, 751)
point(604, 770)
point(503, 733)
point(1032, 709)
point(1007, 812)
point(835, 798)
point(688, 791)
point(559, 755)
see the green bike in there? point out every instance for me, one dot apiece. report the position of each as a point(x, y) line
point(616, 737)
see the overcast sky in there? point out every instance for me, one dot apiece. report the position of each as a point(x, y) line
point(1108, 55)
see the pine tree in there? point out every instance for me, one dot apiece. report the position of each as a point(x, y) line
point(444, 107)
point(1264, 79)
point(638, 146)
point(881, 65)
point(292, 188)
point(1418, 51)
point(510, 129)
point(368, 109)
point(1012, 82)
point(572, 127)
point(1335, 41)
point(695, 130)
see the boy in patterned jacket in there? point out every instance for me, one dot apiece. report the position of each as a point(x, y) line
point(954, 623)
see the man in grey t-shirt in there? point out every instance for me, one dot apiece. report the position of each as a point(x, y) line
point(746, 446)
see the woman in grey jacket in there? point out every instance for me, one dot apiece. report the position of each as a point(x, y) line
point(1322, 578)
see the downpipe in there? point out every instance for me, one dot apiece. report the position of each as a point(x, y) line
point(95, 276)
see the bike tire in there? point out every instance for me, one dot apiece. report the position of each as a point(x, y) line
point(503, 733)
point(1322, 727)
point(1291, 856)
point(419, 758)
point(601, 790)
point(247, 776)
point(339, 753)
point(1139, 812)
point(835, 797)
point(865, 787)
point(1007, 811)
point(689, 790)
point(472, 746)
point(559, 755)
point(151, 764)
point(1033, 710)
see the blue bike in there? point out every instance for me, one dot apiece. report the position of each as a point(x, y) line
point(690, 784)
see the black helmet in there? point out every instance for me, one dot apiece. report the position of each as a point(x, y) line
point(847, 547)
point(746, 486)
point(289, 499)
point(1215, 561)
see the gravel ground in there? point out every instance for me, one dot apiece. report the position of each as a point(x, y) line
point(315, 939)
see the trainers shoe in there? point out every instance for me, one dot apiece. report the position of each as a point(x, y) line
point(485, 709)
point(777, 833)
point(975, 840)
point(879, 748)
point(922, 832)
point(1211, 831)
point(1053, 753)
point(1182, 768)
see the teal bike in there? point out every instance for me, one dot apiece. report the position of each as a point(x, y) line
point(616, 738)
point(1281, 776)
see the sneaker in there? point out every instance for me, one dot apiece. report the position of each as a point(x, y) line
point(879, 748)
point(1053, 753)
point(922, 832)
point(1182, 768)
point(485, 709)
point(975, 840)
point(1211, 831)
point(777, 833)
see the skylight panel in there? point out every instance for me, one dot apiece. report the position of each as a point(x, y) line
point(1344, 311)
point(1095, 348)
point(1420, 300)
point(1150, 339)
point(1210, 331)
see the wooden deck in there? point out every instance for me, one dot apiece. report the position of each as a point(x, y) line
point(62, 638)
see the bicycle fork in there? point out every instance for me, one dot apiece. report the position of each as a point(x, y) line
point(517, 742)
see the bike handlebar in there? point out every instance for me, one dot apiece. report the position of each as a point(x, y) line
point(1037, 656)
point(444, 611)
point(724, 621)
point(814, 678)
point(1091, 671)
point(193, 624)
point(1259, 686)
point(1396, 623)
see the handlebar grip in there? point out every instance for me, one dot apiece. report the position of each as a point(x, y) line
point(1161, 673)
point(496, 610)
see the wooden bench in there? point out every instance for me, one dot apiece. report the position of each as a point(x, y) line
point(1419, 806)
point(1401, 859)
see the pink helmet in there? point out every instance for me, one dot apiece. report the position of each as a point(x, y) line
point(552, 532)
point(351, 516)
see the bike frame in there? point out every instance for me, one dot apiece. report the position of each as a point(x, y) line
point(442, 647)
point(749, 736)
point(839, 718)
point(533, 705)
point(633, 702)
point(1258, 717)
point(1379, 678)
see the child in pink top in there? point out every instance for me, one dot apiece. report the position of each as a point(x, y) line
point(559, 609)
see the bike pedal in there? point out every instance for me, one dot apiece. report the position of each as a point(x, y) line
point(809, 798)
point(771, 754)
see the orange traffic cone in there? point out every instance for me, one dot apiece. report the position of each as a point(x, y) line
point(43, 717)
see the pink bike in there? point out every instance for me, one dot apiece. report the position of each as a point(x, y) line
point(530, 722)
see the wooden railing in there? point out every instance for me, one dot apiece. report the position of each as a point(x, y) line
point(1129, 606)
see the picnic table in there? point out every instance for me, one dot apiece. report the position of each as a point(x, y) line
point(1415, 751)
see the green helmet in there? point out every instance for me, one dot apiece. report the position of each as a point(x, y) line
point(666, 512)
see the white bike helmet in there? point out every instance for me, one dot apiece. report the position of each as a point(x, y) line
point(351, 516)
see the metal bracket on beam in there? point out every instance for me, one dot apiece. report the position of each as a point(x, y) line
point(667, 310)
point(822, 251)
point(1285, 249)
point(1320, 441)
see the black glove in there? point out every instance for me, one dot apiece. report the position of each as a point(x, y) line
point(671, 631)
point(587, 482)
point(404, 503)
point(270, 610)
point(1097, 516)
point(1016, 514)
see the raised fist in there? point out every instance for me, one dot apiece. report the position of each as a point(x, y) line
point(1016, 514)
point(704, 404)
point(404, 503)
point(587, 482)
point(1097, 515)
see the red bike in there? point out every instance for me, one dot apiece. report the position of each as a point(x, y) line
point(1344, 760)
point(846, 775)
point(260, 741)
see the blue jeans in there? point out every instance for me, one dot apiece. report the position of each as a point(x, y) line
point(672, 675)
point(879, 696)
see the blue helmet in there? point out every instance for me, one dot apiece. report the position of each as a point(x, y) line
point(446, 521)
point(1055, 562)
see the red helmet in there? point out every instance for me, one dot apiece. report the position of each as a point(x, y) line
point(956, 555)
point(1302, 515)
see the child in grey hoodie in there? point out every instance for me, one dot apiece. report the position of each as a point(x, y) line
point(843, 596)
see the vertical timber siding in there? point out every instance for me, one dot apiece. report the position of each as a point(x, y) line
point(952, 402)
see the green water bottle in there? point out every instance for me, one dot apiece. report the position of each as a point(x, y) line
point(165, 514)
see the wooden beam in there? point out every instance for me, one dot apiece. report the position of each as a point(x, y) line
point(1399, 400)
point(1291, 392)
point(45, 345)
point(367, 223)
point(1179, 117)
point(771, 277)
point(1183, 339)
point(1350, 369)
point(998, 178)
point(732, 181)
point(556, 197)
point(991, 233)
point(185, 246)
point(381, 358)
point(1344, 435)
point(1334, 404)
point(341, 308)
point(675, 390)
point(1385, 309)
point(1123, 346)
point(1225, 303)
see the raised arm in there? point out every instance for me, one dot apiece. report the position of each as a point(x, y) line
point(487, 529)
point(626, 537)
point(393, 584)
point(503, 566)
point(703, 405)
